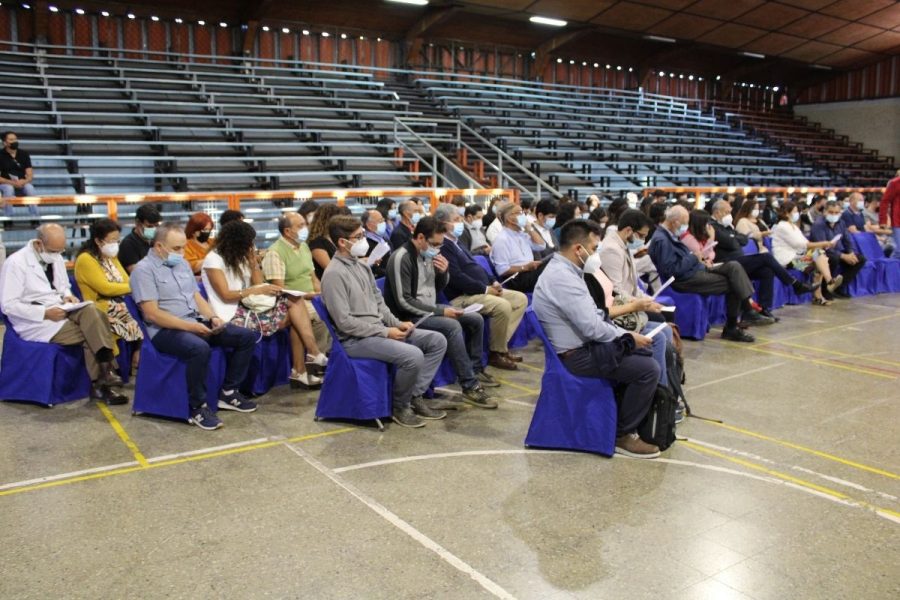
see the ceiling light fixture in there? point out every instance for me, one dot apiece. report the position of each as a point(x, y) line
point(662, 73)
point(201, 22)
point(305, 32)
point(104, 13)
point(53, 9)
point(548, 21)
point(223, 24)
point(131, 15)
point(618, 68)
point(326, 34)
point(558, 60)
point(154, 18)
point(415, 2)
point(343, 36)
point(79, 11)
point(659, 38)
point(285, 30)
point(179, 20)
point(753, 54)
point(265, 28)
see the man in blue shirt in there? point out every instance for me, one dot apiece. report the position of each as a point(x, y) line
point(588, 343)
point(513, 250)
point(181, 323)
point(853, 219)
point(841, 257)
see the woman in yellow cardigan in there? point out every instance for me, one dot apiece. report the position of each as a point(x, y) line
point(104, 281)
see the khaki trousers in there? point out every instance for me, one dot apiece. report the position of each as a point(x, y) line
point(88, 327)
point(505, 311)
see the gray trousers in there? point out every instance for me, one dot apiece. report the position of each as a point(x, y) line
point(728, 278)
point(417, 360)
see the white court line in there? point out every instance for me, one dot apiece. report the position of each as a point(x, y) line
point(215, 448)
point(517, 402)
point(735, 376)
point(405, 527)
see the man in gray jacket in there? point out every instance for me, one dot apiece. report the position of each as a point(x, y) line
point(368, 329)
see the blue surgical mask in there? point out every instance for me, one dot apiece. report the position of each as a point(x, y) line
point(303, 234)
point(173, 259)
point(415, 218)
point(381, 228)
point(458, 229)
point(521, 221)
point(635, 244)
point(682, 229)
point(832, 218)
point(550, 222)
point(392, 214)
point(430, 252)
point(149, 233)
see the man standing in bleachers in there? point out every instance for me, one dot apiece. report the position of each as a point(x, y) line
point(841, 257)
point(136, 244)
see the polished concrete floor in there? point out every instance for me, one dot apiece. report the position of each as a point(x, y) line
point(794, 496)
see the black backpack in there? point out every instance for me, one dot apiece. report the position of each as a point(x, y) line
point(658, 427)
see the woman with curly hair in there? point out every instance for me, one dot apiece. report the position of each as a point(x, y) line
point(320, 245)
point(239, 294)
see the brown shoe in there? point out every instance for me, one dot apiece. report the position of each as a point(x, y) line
point(632, 445)
point(501, 361)
point(514, 357)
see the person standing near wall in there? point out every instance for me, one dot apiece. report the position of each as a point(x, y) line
point(889, 212)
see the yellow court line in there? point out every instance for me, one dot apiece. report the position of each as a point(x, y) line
point(891, 363)
point(790, 478)
point(824, 329)
point(123, 435)
point(174, 461)
point(531, 368)
point(812, 451)
point(517, 386)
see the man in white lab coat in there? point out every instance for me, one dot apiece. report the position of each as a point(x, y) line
point(35, 296)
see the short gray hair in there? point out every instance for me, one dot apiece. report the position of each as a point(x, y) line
point(163, 229)
point(719, 204)
point(504, 210)
point(673, 212)
point(445, 212)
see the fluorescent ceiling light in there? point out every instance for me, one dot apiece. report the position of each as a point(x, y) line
point(548, 21)
point(105, 13)
point(79, 11)
point(659, 38)
point(265, 28)
point(416, 2)
point(821, 67)
point(753, 54)
point(179, 20)
point(154, 18)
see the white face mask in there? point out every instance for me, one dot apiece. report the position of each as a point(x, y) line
point(592, 263)
point(477, 224)
point(727, 220)
point(359, 248)
point(755, 213)
point(110, 250)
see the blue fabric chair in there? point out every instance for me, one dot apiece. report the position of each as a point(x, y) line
point(270, 365)
point(887, 269)
point(161, 386)
point(523, 333)
point(751, 248)
point(485, 263)
point(691, 314)
point(354, 388)
point(716, 309)
point(39, 372)
point(572, 413)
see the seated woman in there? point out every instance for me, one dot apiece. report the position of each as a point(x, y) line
point(567, 211)
point(750, 224)
point(700, 235)
point(237, 293)
point(791, 249)
point(197, 231)
point(104, 282)
point(320, 245)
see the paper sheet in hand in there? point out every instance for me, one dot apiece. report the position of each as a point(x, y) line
point(667, 309)
point(295, 293)
point(510, 278)
point(837, 238)
point(70, 307)
point(664, 286)
point(378, 252)
point(659, 328)
point(472, 308)
point(420, 321)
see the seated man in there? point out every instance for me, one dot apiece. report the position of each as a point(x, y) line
point(872, 225)
point(136, 244)
point(181, 323)
point(368, 329)
point(762, 267)
point(33, 285)
point(673, 259)
point(16, 173)
point(469, 284)
point(514, 248)
point(841, 257)
point(853, 217)
point(472, 238)
point(416, 273)
point(288, 264)
point(410, 213)
point(375, 226)
point(586, 342)
point(544, 222)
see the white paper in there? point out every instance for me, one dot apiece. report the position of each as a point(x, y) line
point(422, 320)
point(659, 328)
point(295, 293)
point(71, 307)
point(473, 308)
point(664, 286)
point(837, 238)
point(510, 278)
point(378, 252)
point(667, 309)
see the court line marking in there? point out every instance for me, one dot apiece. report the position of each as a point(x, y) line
point(805, 358)
point(125, 468)
point(825, 329)
point(891, 363)
point(531, 367)
point(691, 388)
point(517, 386)
point(404, 526)
point(123, 435)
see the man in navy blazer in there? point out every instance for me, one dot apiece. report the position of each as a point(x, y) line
point(470, 284)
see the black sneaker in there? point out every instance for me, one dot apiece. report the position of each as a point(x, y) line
point(421, 408)
point(476, 396)
point(736, 334)
point(405, 417)
point(767, 313)
point(104, 393)
point(205, 419)
point(801, 287)
point(236, 401)
point(755, 319)
point(486, 379)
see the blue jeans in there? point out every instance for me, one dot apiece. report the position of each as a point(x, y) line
point(896, 232)
point(465, 340)
point(194, 351)
point(9, 191)
point(660, 341)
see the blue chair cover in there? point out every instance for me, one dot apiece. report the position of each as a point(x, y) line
point(887, 269)
point(485, 263)
point(270, 365)
point(716, 310)
point(41, 372)
point(572, 413)
point(751, 248)
point(691, 314)
point(354, 388)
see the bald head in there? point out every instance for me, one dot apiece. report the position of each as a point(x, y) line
point(372, 220)
point(52, 236)
point(720, 209)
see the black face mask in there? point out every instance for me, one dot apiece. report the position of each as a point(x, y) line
point(14, 146)
point(203, 237)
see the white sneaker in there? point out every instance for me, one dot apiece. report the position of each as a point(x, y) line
point(319, 359)
point(304, 380)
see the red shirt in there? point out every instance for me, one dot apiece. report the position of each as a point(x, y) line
point(890, 204)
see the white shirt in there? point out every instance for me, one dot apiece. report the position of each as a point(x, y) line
point(788, 242)
point(546, 234)
point(494, 230)
point(512, 249)
point(25, 293)
point(236, 282)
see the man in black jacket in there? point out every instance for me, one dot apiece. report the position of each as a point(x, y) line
point(761, 267)
point(416, 272)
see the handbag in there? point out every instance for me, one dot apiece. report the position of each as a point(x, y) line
point(259, 303)
point(634, 321)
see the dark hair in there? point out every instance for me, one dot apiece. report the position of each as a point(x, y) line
point(98, 231)
point(697, 223)
point(657, 214)
point(384, 207)
point(546, 207)
point(458, 201)
point(7, 133)
point(832, 204)
point(234, 244)
point(427, 226)
point(308, 207)
point(616, 208)
point(576, 231)
point(148, 213)
point(565, 213)
point(526, 203)
point(745, 209)
point(320, 226)
point(597, 214)
point(230, 216)
point(785, 210)
point(342, 226)
point(633, 218)
point(473, 209)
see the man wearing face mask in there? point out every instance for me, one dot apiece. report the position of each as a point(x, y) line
point(617, 253)
point(181, 323)
point(514, 249)
point(368, 329)
point(762, 266)
point(544, 222)
point(694, 274)
point(472, 238)
point(410, 213)
point(375, 227)
point(415, 275)
point(33, 288)
point(590, 345)
point(16, 172)
point(841, 257)
point(136, 244)
point(853, 218)
point(288, 264)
